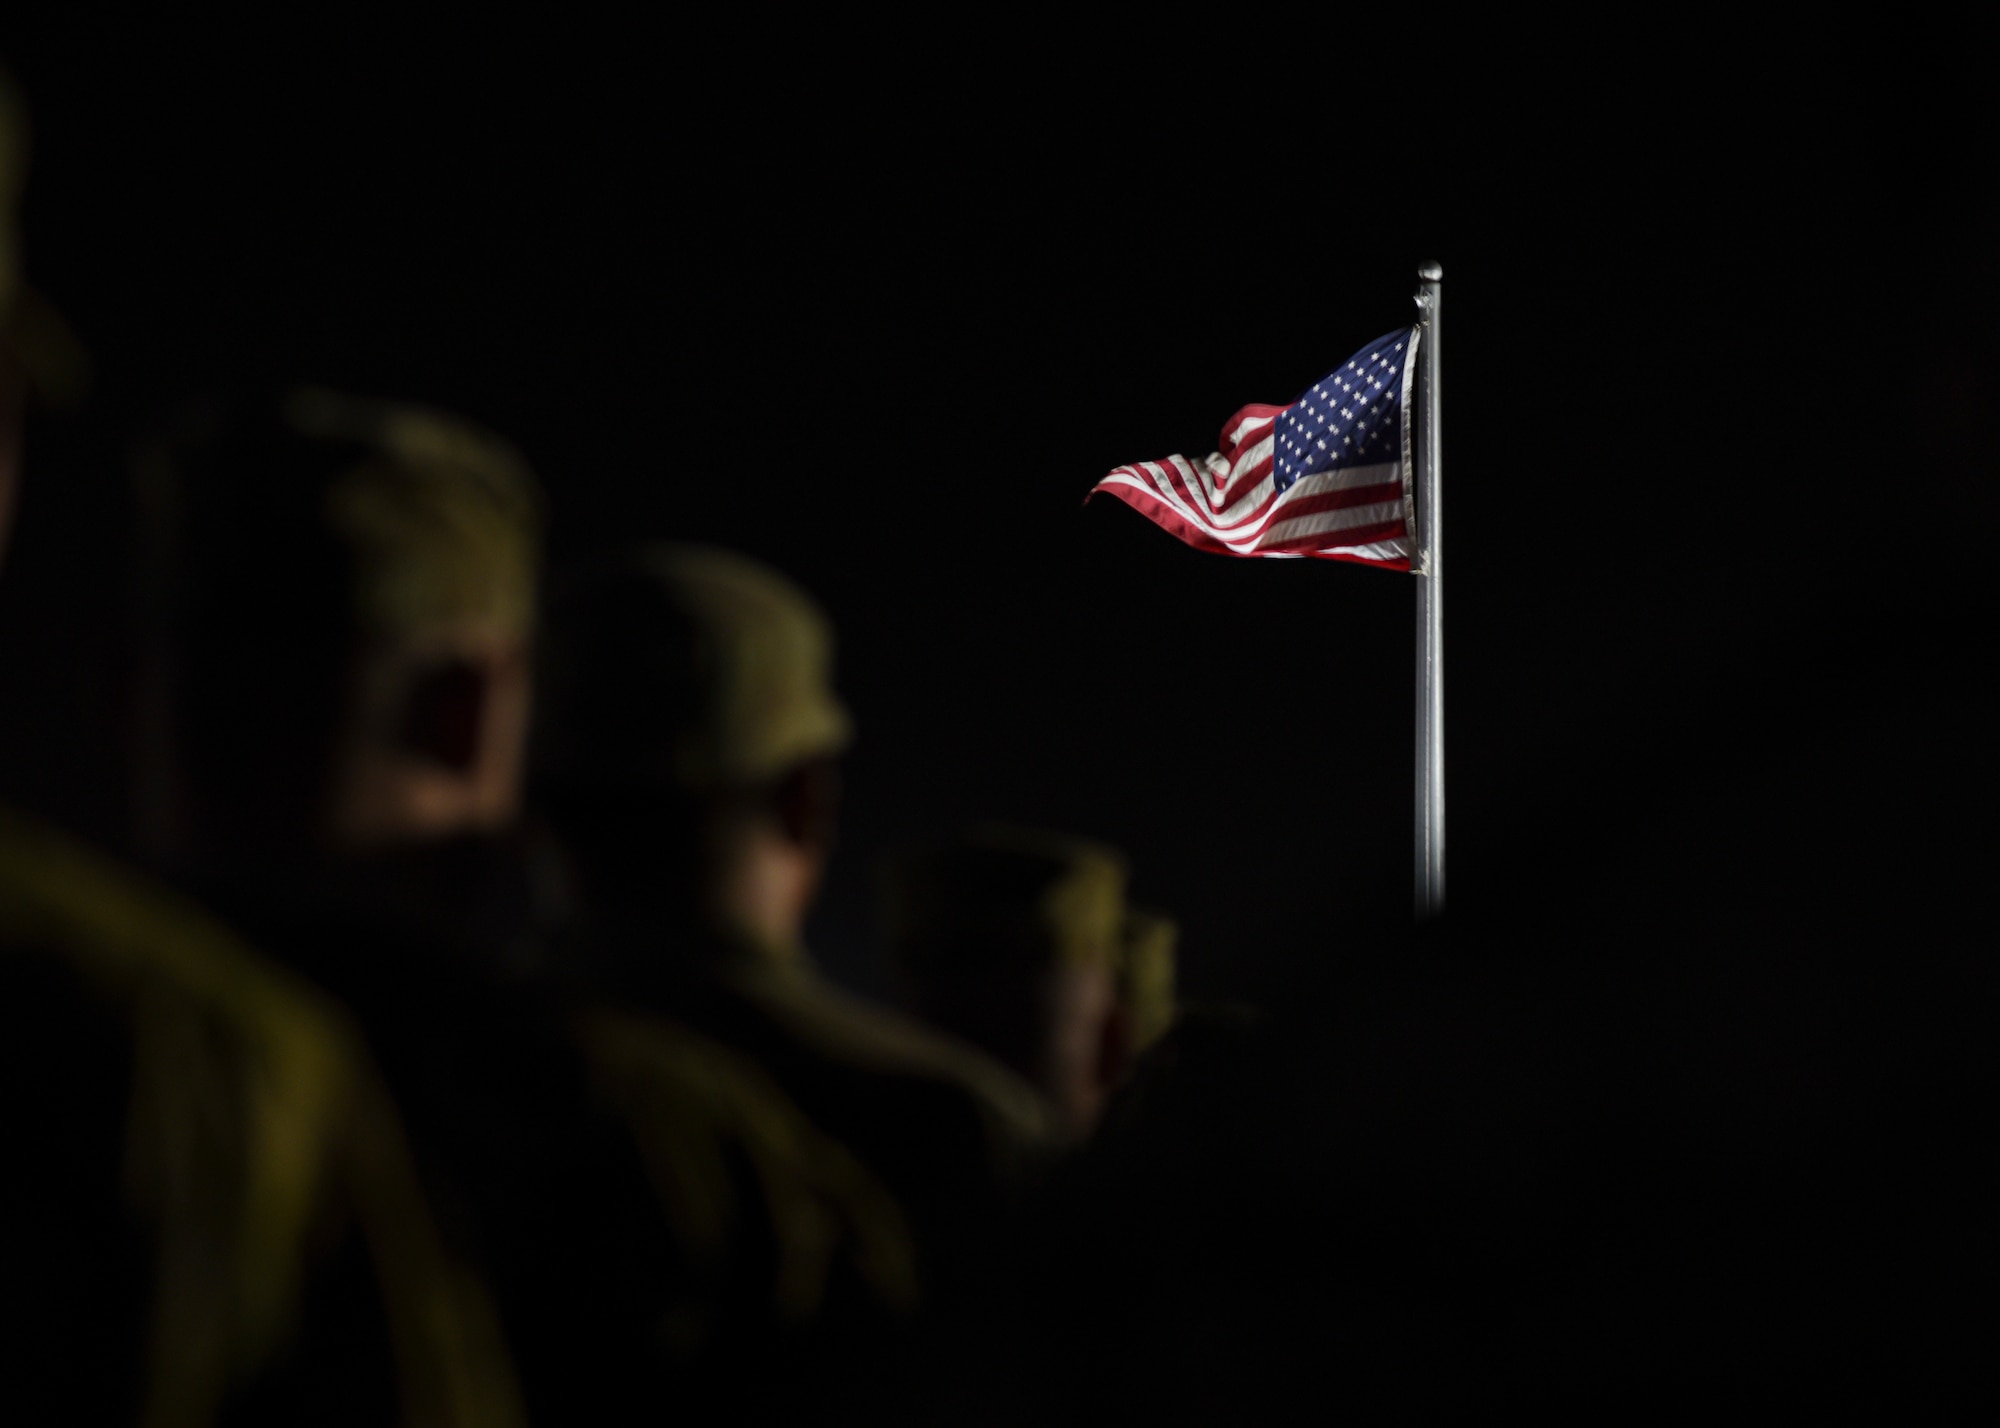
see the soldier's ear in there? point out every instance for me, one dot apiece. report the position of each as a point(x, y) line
point(444, 719)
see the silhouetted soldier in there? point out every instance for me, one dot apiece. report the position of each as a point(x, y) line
point(344, 592)
point(1012, 940)
point(200, 1159)
point(689, 768)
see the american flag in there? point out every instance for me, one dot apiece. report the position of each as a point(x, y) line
point(1328, 476)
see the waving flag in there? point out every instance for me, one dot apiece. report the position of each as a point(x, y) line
point(1328, 476)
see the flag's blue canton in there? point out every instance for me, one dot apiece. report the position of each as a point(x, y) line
point(1353, 416)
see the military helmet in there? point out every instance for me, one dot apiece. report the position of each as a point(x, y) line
point(683, 669)
point(443, 518)
point(396, 518)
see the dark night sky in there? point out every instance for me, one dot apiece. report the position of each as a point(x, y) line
point(1719, 370)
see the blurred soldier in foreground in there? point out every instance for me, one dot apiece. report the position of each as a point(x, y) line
point(344, 595)
point(688, 766)
point(341, 593)
point(1014, 941)
point(206, 1185)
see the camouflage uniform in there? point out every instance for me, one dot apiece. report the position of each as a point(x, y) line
point(684, 673)
point(208, 1172)
point(649, 1208)
point(209, 1212)
point(216, 1214)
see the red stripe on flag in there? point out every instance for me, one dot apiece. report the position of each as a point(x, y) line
point(1243, 521)
point(1163, 514)
point(1353, 535)
point(1171, 522)
point(1230, 491)
point(1401, 562)
point(1165, 517)
point(1235, 510)
point(1339, 500)
point(1256, 411)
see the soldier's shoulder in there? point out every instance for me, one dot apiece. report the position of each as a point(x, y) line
point(247, 1127)
point(696, 1108)
point(844, 1027)
point(661, 1059)
point(133, 940)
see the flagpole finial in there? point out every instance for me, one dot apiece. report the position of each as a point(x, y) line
point(1430, 272)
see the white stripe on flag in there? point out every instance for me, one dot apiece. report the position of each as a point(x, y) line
point(1247, 539)
point(1341, 479)
point(1401, 548)
point(1245, 428)
point(1346, 518)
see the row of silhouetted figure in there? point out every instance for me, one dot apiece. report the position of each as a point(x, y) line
point(442, 1048)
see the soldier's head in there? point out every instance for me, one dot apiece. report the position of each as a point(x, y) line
point(1012, 939)
point(688, 739)
point(339, 595)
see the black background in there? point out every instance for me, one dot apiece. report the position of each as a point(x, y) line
point(1719, 373)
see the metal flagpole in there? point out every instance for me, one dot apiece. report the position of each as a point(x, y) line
point(1430, 602)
